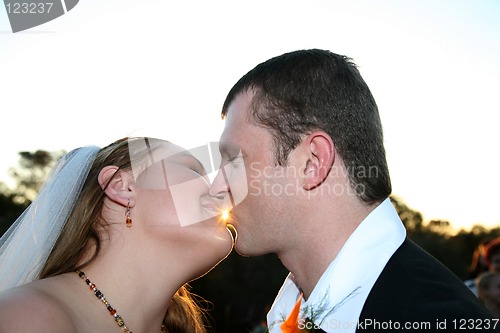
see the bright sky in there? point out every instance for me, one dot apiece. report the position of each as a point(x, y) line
point(111, 68)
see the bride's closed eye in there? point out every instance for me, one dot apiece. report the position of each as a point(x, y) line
point(194, 165)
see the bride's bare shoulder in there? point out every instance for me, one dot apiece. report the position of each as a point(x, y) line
point(30, 309)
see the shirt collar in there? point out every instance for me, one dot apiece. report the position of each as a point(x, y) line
point(346, 282)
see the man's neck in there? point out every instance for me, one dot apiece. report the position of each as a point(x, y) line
point(320, 242)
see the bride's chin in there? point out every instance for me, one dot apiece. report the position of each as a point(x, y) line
point(232, 237)
point(227, 237)
point(232, 230)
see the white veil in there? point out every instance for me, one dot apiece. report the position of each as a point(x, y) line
point(26, 245)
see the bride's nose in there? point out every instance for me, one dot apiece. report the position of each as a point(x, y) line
point(219, 187)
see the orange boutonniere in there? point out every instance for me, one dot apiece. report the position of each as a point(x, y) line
point(311, 315)
point(291, 324)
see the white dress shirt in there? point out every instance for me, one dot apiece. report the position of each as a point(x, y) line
point(336, 302)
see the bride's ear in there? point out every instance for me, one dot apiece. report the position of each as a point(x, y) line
point(118, 185)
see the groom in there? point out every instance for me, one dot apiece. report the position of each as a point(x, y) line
point(303, 163)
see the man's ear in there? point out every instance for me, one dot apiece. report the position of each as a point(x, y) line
point(320, 152)
point(117, 184)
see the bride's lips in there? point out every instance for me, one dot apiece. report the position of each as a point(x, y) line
point(211, 204)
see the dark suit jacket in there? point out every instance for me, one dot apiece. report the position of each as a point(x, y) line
point(416, 288)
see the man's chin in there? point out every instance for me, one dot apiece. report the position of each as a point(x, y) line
point(247, 251)
point(240, 246)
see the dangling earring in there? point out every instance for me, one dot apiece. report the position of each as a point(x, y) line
point(128, 220)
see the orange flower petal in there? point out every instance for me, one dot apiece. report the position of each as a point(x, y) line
point(291, 325)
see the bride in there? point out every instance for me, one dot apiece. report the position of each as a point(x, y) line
point(110, 243)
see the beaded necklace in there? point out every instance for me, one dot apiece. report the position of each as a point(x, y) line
point(118, 319)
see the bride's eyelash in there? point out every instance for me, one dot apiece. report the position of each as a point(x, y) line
point(197, 171)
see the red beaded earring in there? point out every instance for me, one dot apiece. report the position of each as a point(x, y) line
point(128, 220)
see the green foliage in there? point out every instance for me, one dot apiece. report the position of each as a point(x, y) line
point(31, 173)
point(28, 177)
point(453, 249)
point(412, 220)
